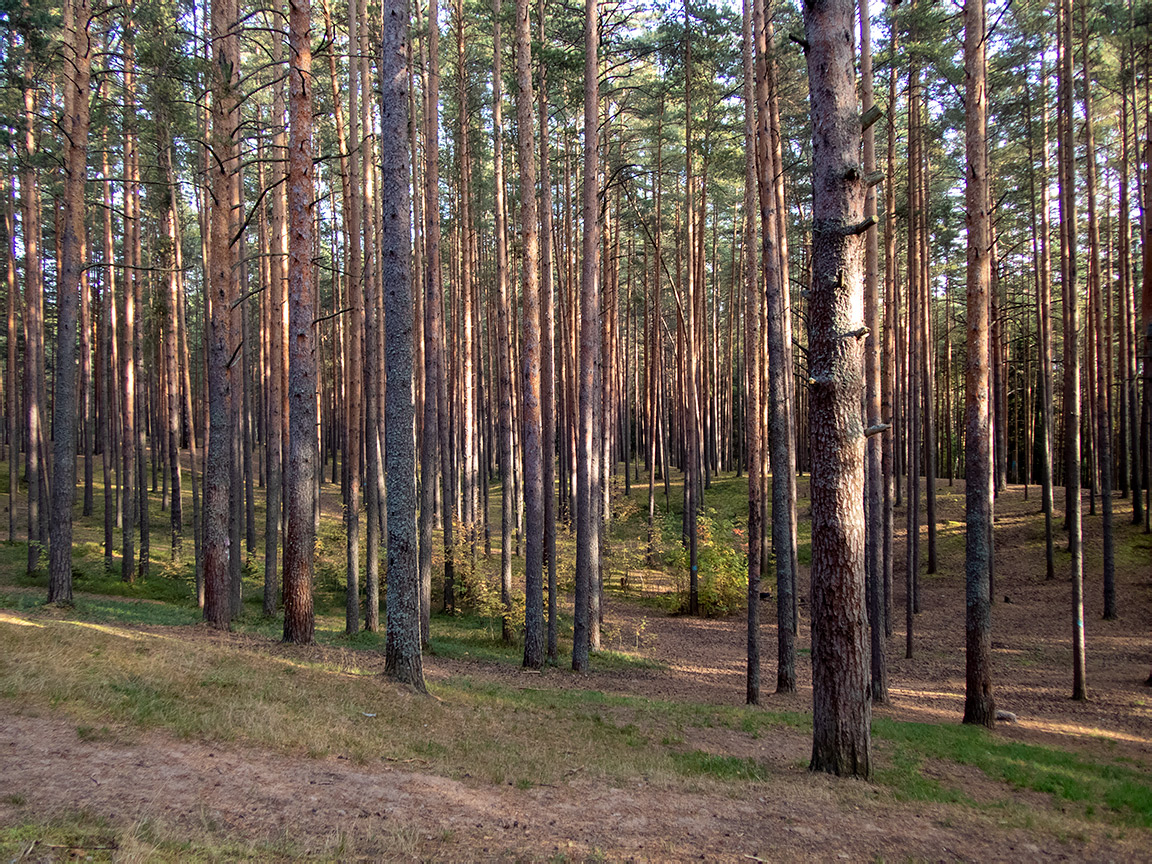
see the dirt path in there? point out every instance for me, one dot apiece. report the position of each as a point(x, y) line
point(331, 808)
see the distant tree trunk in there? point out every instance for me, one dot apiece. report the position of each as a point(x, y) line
point(979, 706)
point(548, 354)
point(300, 538)
point(78, 51)
point(873, 475)
point(587, 473)
point(842, 709)
point(1042, 255)
point(274, 427)
point(109, 362)
point(1129, 401)
point(1071, 348)
point(430, 439)
point(692, 400)
point(10, 371)
point(752, 364)
point(913, 366)
point(373, 362)
point(470, 367)
point(890, 448)
point(170, 239)
point(402, 647)
point(34, 373)
point(1095, 293)
point(779, 365)
point(530, 407)
point(503, 329)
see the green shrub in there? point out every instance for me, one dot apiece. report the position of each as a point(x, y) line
point(722, 585)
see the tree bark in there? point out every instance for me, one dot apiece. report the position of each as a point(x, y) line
point(587, 472)
point(842, 708)
point(530, 406)
point(430, 440)
point(300, 537)
point(1095, 293)
point(224, 285)
point(979, 706)
point(78, 52)
point(1071, 349)
point(503, 329)
point(873, 475)
point(34, 373)
point(548, 354)
point(751, 364)
point(402, 646)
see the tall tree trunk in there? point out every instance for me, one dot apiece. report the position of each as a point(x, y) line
point(873, 475)
point(470, 368)
point(34, 372)
point(78, 51)
point(433, 349)
point(979, 706)
point(889, 400)
point(373, 362)
point(402, 647)
point(547, 352)
point(842, 709)
point(1095, 294)
point(779, 367)
point(587, 473)
point(277, 260)
point(751, 363)
point(503, 329)
point(224, 285)
point(1071, 349)
point(1042, 253)
point(530, 407)
point(10, 370)
point(170, 240)
point(299, 538)
point(1130, 399)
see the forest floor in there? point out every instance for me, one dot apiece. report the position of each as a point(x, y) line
point(128, 732)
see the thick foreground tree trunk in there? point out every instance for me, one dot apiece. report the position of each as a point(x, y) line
point(300, 532)
point(77, 15)
point(842, 705)
point(979, 706)
point(402, 647)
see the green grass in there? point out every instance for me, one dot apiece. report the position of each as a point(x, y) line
point(1124, 793)
point(699, 763)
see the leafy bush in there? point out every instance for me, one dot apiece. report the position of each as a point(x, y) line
point(722, 586)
